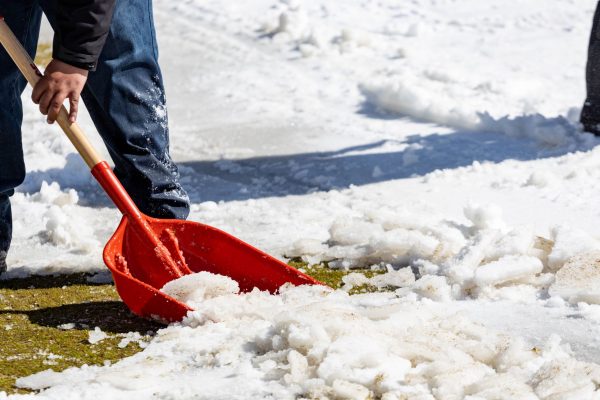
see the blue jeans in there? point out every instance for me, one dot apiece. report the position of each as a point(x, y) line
point(590, 113)
point(124, 96)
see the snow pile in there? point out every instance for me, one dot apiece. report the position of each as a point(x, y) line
point(431, 96)
point(313, 342)
point(52, 225)
point(434, 99)
point(483, 258)
point(558, 132)
point(381, 235)
point(62, 229)
point(395, 236)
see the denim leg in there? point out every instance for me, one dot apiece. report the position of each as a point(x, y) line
point(23, 17)
point(126, 100)
point(5, 225)
point(590, 114)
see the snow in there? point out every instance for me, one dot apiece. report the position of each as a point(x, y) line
point(315, 342)
point(568, 243)
point(194, 289)
point(436, 141)
point(96, 336)
point(577, 281)
point(506, 269)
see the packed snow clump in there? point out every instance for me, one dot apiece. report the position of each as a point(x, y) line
point(579, 279)
point(96, 336)
point(52, 194)
point(58, 211)
point(506, 269)
point(196, 288)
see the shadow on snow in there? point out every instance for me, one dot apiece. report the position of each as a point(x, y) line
point(298, 174)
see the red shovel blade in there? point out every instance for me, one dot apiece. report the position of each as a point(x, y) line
point(139, 271)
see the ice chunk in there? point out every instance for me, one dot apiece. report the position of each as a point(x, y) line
point(508, 268)
point(96, 336)
point(193, 289)
point(298, 367)
point(345, 390)
point(402, 246)
point(40, 381)
point(579, 279)
point(433, 287)
point(354, 279)
point(461, 268)
point(569, 242)
point(517, 241)
point(401, 278)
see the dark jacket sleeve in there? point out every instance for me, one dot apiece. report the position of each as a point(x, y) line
point(81, 30)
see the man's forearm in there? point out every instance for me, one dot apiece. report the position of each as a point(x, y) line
point(81, 30)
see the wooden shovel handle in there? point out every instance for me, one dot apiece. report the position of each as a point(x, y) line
point(33, 75)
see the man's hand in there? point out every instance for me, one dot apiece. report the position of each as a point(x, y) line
point(60, 81)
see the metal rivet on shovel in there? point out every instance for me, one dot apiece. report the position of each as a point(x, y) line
point(145, 253)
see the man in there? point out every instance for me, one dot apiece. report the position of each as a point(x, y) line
point(590, 114)
point(105, 52)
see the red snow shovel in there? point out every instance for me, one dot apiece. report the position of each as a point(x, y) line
point(145, 253)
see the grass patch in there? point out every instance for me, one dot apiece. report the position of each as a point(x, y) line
point(43, 55)
point(333, 277)
point(32, 312)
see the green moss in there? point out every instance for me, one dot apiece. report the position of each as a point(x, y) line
point(43, 55)
point(32, 312)
point(333, 277)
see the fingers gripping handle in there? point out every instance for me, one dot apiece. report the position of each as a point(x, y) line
point(28, 68)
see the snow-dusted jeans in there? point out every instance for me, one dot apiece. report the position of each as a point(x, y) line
point(124, 96)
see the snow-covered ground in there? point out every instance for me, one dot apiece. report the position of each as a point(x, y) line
point(432, 134)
